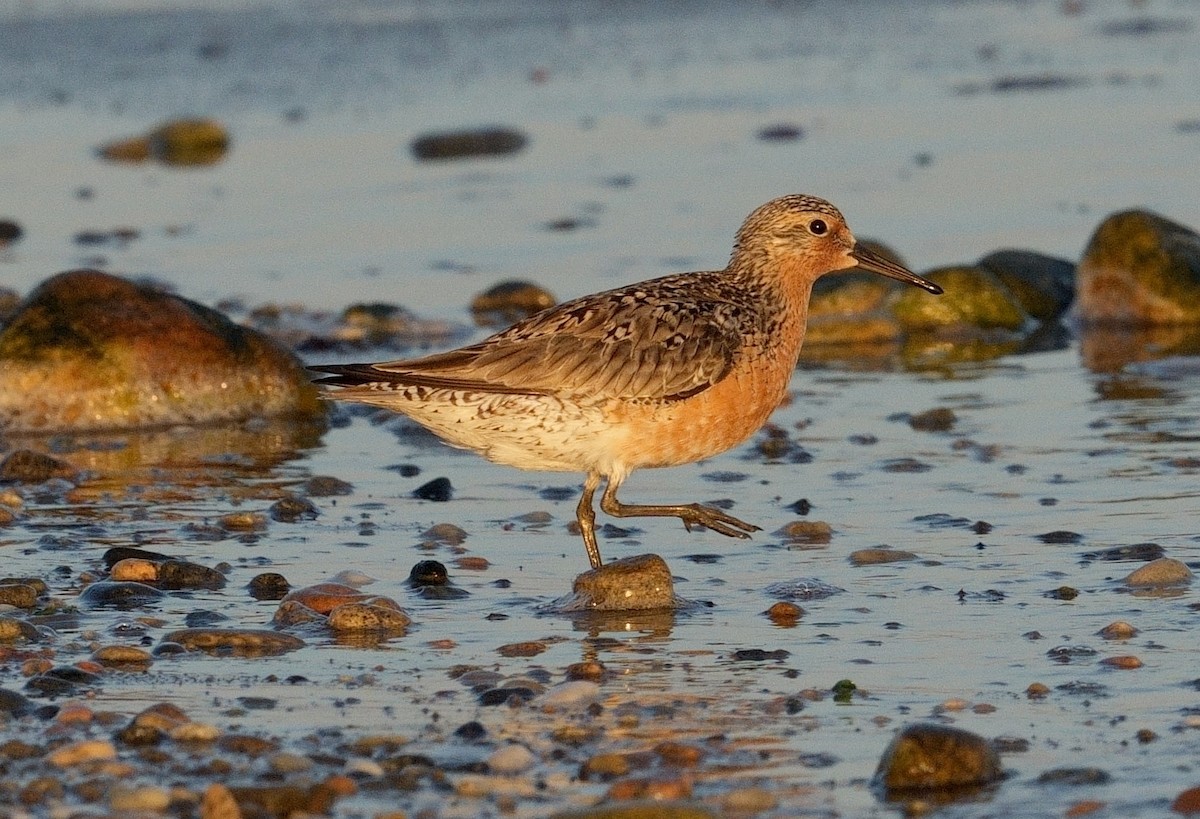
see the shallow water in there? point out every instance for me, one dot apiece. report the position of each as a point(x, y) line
point(645, 125)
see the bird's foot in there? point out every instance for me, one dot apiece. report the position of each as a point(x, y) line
point(715, 519)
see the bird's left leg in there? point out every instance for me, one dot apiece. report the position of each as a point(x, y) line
point(586, 516)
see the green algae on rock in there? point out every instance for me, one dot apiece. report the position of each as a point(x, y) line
point(88, 351)
point(974, 298)
point(937, 759)
point(1139, 268)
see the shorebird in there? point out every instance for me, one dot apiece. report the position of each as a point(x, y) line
point(659, 373)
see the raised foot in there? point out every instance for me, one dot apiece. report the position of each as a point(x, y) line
point(715, 519)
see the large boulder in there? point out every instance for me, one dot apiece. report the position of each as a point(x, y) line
point(91, 351)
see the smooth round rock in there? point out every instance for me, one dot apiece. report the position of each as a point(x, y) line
point(234, 642)
point(77, 753)
point(356, 617)
point(927, 757)
point(873, 557)
point(638, 583)
point(1044, 285)
point(183, 574)
point(510, 759)
point(181, 142)
point(136, 569)
point(28, 466)
point(974, 298)
point(122, 595)
point(1165, 571)
point(122, 656)
point(90, 351)
point(18, 595)
point(1139, 268)
point(508, 302)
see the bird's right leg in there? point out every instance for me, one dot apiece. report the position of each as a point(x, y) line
point(585, 514)
point(690, 513)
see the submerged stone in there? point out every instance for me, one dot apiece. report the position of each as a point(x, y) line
point(234, 642)
point(90, 351)
point(1165, 571)
point(1139, 268)
point(119, 594)
point(508, 302)
point(469, 143)
point(929, 758)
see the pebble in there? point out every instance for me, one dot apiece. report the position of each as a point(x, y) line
point(268, 586)
point(325, 597)
point(360, 617)
point(1165, 571)
point(18, 595)
point(806, 532)
point(134, 569)
point(1123, 662)
point(872, 557)
point(28, 466)
point(78, 753)
point(1187, 802)
point(924, 757)
point(122, 656)
point(178, 142)
point(784, 614)
point(939, 419)
point(133, 799)
point(321, 486)
point(182, 574)
point(508, 302)
point(510, 760)
point(748, 801)
point(293, 509)
point(468, 143)
point(234, 642)
point(243, 522)
point(641, 809)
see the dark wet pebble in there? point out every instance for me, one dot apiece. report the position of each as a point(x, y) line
point(439, 489)
point(119, 595)
point(760, 654)
point(18, 595)
point(927, 757)
point(906, 466)
point(234, 642)
point(780, 132)
point(268, 586)
point(323, 486)
point(872, 557)
point(1063, 593)
point(61, 680)
point(10, 232)
point(27, 466)
point(1070, 653)
point(292, 509)
point(116, 554)
point(14, 704)
point(558, 493)
point(468, 143)
point(508, 302)
point(1138, 551)
point(507, 696)
point(1144, 26)
point(1060, 537)
point(432, 581)
point(938, 419)
point(204, 618)
point(471, 731)
point(800, 507)
point(1074, 776)
point(181, 574)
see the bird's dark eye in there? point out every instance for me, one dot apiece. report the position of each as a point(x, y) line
point(817, 227)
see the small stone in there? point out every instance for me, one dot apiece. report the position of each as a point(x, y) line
point(218, 803)
point(182, 574)
point(590, 670)
point(872, 557)
point(1044, 285)
point(1118, 630)
point(234, 642)
point(438, 490)
point(784, 614)
point(321, 486)
point(806, 532)
point(134, 569)
point(18, 595)
point(1037, 691)
point(365, 617)
point(268, 586)
point(468, 143)
point(511, 759)
point(926, 757)
point(940, 419)
point(27, 466)
point(180, 142)
point(325, 597)
point(78, 753)
point(1187, 802)
point(136, 799)
point(293, 509)
point(748, 801)
point(1075, 776)
point(122, 595)
point(122, 657)
point(603, 767)
point(1165, 571)
point(1124, 662)
point(243, 522)
point(508, 302)
point(445, 533)
point(782, 132)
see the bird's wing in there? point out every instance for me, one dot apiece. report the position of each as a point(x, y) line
point(654, 341)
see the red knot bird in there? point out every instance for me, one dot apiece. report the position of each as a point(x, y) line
point(659, 373)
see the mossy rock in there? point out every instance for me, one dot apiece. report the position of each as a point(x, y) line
point(91, 351)
point(1140, 268)
point(973, 299)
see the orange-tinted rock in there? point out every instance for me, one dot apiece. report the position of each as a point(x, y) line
point(184, 142)
point(1139, 269)
point(90, 351)
point(937, 758)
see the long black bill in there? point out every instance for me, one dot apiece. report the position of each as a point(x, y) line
point(869, 260)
